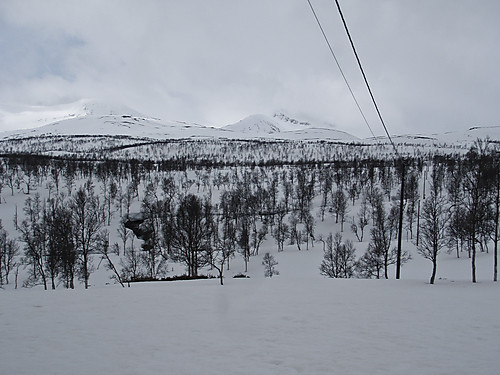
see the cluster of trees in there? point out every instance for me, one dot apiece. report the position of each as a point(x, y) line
point(9, 250)
point(60, 235)
point(340, 256)
point(339, 259)
point(461, 210)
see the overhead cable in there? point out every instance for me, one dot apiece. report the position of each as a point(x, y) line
point(340, 68)
point(364, 76)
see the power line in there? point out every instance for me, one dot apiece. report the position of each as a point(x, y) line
point(340, 68)
point(403, 169)
point(364, 76)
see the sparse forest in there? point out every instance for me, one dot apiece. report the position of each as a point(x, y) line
point(137, 214)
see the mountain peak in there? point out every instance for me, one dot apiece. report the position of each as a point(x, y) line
point(255, 125)
point(281, 116)
point(94, 107)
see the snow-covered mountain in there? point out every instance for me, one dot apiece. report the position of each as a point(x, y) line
point(255, 125)
point(93, 117)
point(281, 126)
point(98, 118)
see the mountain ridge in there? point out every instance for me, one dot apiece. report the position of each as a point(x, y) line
point(93, 117)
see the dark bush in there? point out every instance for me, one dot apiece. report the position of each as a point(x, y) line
point(241, 276)
point(172, 278)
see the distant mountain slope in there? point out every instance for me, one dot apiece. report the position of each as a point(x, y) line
point(280, 126)
point(458, 138)
point(117, 125)
point(28, 117)
point(90, 117)
point(255, 125)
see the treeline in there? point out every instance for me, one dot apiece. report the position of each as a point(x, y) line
point(207, 216)
point(212, 152)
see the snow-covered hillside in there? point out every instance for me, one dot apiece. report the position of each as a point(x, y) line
point(455, 138)
point(280, 126)
point(29, 117)
point(100, 118)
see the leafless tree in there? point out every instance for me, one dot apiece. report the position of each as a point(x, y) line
point(339, 259)
point(433, 227)
point(269, 264)
point(33, 235)
point(8, 252)
point(191, 238)
point(88, 221)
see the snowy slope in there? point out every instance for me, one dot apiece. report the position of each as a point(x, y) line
point(91, 117)
point(463, 138)
point(28, 117)
point(117, 125)
point(280, 126)
point(255, 125)
point(472, 134)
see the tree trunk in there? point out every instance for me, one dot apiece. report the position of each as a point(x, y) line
point(473, 263)
point(495, 261)
point(434, 267)
point(85, 271)
point(497, 214)
point(386, 263)
point(418, 221)
point(474, 247)
point(400, 229)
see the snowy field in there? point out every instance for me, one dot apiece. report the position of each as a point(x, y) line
point(295, 323)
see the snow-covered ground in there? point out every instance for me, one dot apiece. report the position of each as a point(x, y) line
point(254, 326)
point(294, 323)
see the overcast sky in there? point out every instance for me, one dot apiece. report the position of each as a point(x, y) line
point(434, 65)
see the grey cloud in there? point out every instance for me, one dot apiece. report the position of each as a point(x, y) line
point(432, 64)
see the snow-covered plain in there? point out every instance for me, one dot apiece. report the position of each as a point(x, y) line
point(295, 323)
